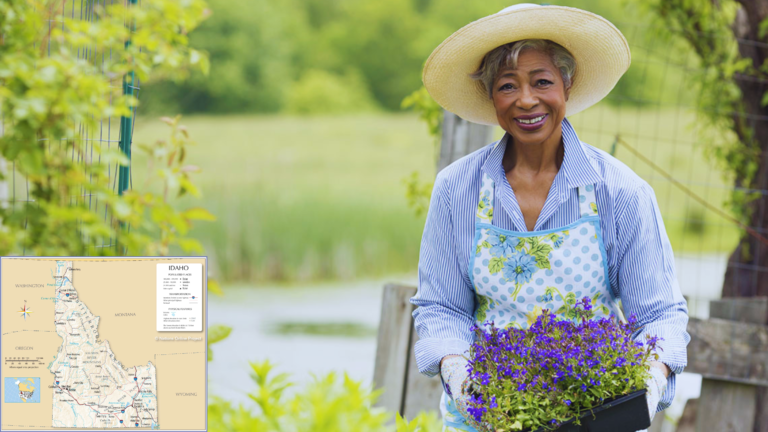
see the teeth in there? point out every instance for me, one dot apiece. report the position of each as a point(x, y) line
point(529, 121)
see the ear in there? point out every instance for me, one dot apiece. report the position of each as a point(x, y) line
point(567, 92)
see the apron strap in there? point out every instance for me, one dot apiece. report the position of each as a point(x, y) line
point(587, 201)
point(484, 212)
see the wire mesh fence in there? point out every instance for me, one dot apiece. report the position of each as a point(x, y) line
point(653, 123)
point(110, 131)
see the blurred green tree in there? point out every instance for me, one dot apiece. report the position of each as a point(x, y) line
point(262, 50)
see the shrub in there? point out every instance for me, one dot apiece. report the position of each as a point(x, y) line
point(321, 92)
point(328, 404)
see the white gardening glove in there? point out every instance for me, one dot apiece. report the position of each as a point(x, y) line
point(456, 378)
point(657, 386)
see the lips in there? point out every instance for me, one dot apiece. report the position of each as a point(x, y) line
point(531, 122)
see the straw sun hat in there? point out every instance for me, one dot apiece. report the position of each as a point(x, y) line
point(601, 53)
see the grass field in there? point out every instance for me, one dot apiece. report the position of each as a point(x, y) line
point(306, 198)
point(313, 198)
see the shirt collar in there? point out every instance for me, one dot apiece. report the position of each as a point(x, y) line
point(578, 168)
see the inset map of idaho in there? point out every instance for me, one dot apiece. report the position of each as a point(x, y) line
point(92, 388)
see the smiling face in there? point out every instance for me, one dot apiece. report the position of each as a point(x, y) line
point(530, 99)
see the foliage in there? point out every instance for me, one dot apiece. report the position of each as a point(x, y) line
point(252, 45)
point(417, 192)
point(706, 28)
point(552, 371)
point(217, 333)
point(260, 49)
point(429, 111)
point(328, 404)
point(48, 100)
point(321, 92)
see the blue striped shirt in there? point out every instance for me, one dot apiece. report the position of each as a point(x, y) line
point(640, 260)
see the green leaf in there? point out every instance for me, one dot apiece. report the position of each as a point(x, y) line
point(495, 265)
point(198, 213)
point(218, 333)
point(541, 252)
point(570, 298)
point(486, 245)
point(214, 287)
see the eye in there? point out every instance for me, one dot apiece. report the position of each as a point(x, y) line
point(506, 86)
point(543, 82)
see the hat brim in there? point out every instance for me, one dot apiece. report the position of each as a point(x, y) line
point(601, 52)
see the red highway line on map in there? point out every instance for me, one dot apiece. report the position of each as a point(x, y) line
point(74, 399)
point(133, 400)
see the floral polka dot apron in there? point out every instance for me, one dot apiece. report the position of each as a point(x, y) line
point(518, 274)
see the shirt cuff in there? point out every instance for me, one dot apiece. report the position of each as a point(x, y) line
point(430, 351)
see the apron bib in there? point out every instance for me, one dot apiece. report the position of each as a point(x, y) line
point(516, 275)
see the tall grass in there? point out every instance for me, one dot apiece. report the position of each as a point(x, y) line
point(306, 198)
point(309, 198)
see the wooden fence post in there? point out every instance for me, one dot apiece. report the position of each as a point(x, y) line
point(393, 346)
point(460, 138)
point(734, 362)
point(405, 390)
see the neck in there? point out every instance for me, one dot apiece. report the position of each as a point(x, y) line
point(537, 158)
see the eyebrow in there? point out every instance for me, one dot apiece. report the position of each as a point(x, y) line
point(513, 73)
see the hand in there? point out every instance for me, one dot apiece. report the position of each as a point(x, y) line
point(453, 369)
point(656, 387)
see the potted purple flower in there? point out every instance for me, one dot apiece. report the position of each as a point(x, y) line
point(564, 375)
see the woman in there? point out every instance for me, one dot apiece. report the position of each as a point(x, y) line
point(517, 226)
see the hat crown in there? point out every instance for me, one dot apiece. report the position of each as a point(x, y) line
point(518, 6)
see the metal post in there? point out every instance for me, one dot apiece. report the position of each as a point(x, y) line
point(126, 133)
point(126, 123)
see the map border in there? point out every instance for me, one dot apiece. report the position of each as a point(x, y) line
point(117, 258)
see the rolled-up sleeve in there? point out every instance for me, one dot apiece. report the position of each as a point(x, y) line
point(647, 283)
point(446, 302)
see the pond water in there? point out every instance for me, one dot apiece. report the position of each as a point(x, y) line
point(317, 329)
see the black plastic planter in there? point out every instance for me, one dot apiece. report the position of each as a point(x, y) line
point(627, 413)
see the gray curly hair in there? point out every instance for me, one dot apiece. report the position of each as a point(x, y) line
point(506, 56)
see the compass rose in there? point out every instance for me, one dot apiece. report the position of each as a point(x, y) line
point(25, 311)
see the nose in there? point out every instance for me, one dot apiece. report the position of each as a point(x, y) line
point(527, 99)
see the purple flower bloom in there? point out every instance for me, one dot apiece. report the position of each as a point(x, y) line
point(549, 357)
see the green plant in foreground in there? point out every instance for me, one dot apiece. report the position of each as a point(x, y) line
point(418, 193)
point(52, 98)
point(328, 404)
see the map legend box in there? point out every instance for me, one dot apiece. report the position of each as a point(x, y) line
point(179, 297)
